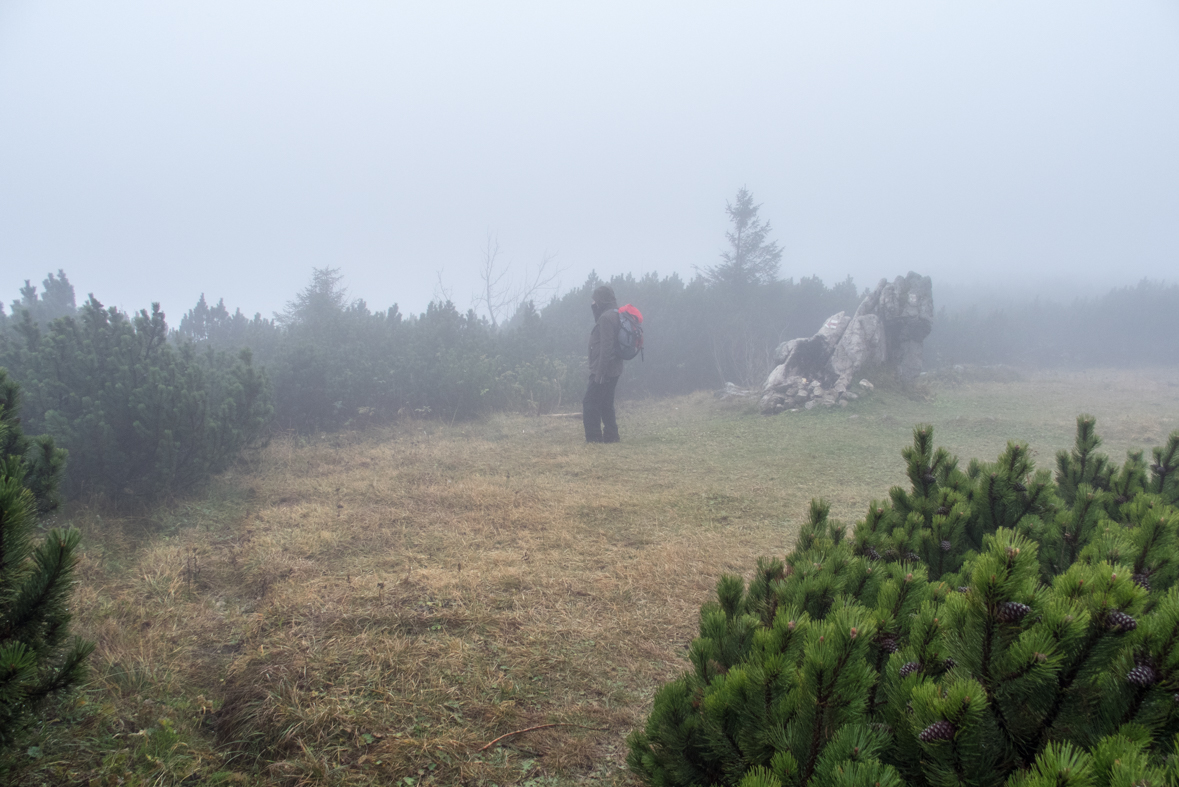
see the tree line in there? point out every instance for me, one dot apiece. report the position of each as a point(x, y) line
point(147, 409)
point(1127, 326)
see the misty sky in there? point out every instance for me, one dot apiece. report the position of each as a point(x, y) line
point(156, 151)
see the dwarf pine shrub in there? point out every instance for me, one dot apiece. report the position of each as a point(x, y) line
point(38, 657)
point(989, 625)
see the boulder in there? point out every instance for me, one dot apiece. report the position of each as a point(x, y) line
point(862, 346)
point(887, 330)
point(906, 307)
point(808, 356)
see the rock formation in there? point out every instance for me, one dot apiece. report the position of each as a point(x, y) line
point(886, 331)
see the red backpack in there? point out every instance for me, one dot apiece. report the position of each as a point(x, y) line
point(630, 332)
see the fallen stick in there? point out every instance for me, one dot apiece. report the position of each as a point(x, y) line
point(538, 727)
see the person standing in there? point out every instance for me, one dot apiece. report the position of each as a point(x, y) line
point(605, 367)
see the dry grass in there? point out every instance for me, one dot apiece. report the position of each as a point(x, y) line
point(363, 608)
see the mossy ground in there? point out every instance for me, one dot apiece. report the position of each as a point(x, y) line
point(374, 608)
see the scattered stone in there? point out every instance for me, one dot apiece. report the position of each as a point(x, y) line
point(732, 391)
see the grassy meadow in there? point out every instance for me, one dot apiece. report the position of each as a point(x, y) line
point(375, 608)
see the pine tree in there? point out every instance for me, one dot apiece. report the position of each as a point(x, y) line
point(983, 627)
point(37, 656)
point(745, 294)
point(751, 258)
point(56, 300)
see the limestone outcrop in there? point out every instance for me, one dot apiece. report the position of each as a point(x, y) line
point(887, 331)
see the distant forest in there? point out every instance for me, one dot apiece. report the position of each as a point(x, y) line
point(1127, 326)
point(147, 409)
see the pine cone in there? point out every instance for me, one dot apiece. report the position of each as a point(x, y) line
point(938, 731)
point(1141, 581)
point(1157, 469)
point(912, 556)
point(908, 668)
point(1120, 622)
point(1142, 675)
point(871, 553)
point(929, 478)
point(1012, 611)
point(942, 510)
point(889, 644)
point(1121, 499)
point(949, 663)
point(1018, 487)
point(963, 589)
point(946, 545)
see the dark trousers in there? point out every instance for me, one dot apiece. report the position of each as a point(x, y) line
point(597, 412)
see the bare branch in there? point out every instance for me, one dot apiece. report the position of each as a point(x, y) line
point(538, 727)
point(442, 293)
point(536, 282)
point(500, 295)
point(494, 295)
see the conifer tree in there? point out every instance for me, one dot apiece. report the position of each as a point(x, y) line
point(55, 300)
point(751, 258)
point(983, 627)
point(37, 656)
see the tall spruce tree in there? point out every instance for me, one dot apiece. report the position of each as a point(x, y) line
point(983, 627)
point(751, 258)
point(38, 658)
point(743, 324)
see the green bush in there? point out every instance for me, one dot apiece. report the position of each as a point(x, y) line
point(138, 416)
point(986, 626)
point(38, 658)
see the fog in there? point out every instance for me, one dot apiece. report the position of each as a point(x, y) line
point(159, 151)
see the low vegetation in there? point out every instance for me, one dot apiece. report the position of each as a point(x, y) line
point(378, 607)
point(38, 658)
point(988, 625)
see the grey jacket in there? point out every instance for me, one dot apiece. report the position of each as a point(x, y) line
point(604, 360)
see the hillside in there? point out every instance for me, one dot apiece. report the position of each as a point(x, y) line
point(374, 608)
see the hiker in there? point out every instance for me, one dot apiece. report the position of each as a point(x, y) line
point(605, 367)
